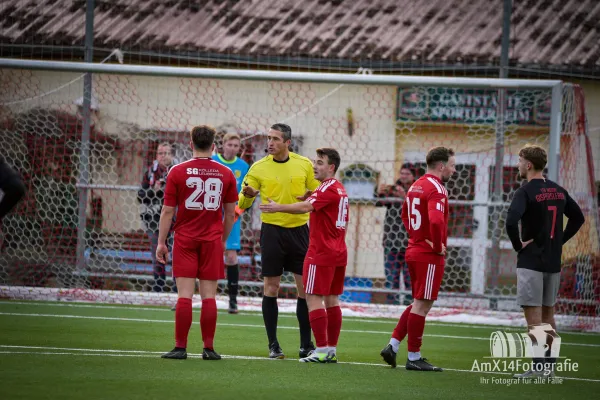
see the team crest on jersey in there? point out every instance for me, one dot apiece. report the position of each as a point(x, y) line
point(340, 192)
point(237, 173)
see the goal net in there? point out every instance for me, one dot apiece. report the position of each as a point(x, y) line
point(382, 133)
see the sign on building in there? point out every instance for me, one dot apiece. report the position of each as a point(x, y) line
point(472, 106)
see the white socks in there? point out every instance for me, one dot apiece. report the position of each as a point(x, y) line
point(412, 356)
point(395, 343)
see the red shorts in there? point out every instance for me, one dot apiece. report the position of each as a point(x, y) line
point(426, 279)
point(195, 259)
point(323, 281)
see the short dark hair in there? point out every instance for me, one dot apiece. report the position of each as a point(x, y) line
point(438, 154)
point(535, 155)
point(333, 157)
point(284, 129)
point(409, 167)
point(203, 137)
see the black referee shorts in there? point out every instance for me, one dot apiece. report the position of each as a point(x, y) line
point(283, 249)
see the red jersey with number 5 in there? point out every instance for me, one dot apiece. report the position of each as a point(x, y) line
point(425, 216)
point(198, 188)
point(328, 222)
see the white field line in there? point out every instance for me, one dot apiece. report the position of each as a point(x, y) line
point(154, 354)
point(281, 315)
point(250, 326)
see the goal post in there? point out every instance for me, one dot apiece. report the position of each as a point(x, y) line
point(381, 124)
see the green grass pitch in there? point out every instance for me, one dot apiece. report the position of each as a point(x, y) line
point(92, 351)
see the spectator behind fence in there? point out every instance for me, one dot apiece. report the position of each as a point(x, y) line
point(395, 238)
point(151, 197)
point(12, 189)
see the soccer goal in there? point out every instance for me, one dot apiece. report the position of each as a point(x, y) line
point(79, 233)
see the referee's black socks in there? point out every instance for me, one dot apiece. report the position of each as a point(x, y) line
point(233, 277)
point(270, 313)
point(304, 322)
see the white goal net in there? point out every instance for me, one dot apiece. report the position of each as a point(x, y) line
point(382, 134)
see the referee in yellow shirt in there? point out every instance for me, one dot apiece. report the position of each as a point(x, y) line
point(286, 178)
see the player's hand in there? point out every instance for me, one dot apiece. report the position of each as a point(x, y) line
point(443, 252)
point(162, 253)
point(383, 188)
point(270, 207)
point(525, 244)
point(305, 195)
point(249, 191)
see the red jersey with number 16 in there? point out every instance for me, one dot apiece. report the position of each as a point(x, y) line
point(328, 222)
point(198, 188)
point(425, 216)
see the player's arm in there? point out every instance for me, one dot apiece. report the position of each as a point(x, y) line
point(239, 211)
point(576, 219)
point(302, 207)
point(437, 223)
point(166, 218)
point(228, 219)
point(230, 198)
point(317, 200)
point(250, 189)
point(515, 212)
point(245, 171)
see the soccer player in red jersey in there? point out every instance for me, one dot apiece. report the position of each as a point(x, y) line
point(425, 216)
point(325, 263)
point(200, 189)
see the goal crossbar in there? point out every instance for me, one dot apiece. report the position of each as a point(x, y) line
point(362, 79)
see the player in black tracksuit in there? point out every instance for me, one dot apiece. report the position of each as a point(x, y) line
point(540, 205)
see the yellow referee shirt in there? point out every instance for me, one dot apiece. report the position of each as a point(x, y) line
point(282, 182)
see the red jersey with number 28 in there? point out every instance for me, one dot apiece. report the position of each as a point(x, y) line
point(198, 188)
point(328, 222)
point(425, 216)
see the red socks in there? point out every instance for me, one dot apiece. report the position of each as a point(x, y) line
point(326, 326)
point(318, 323)
point(416, 326)
point(183, 321)
point(208, 322)
point(334, 325)
point(402, 326)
